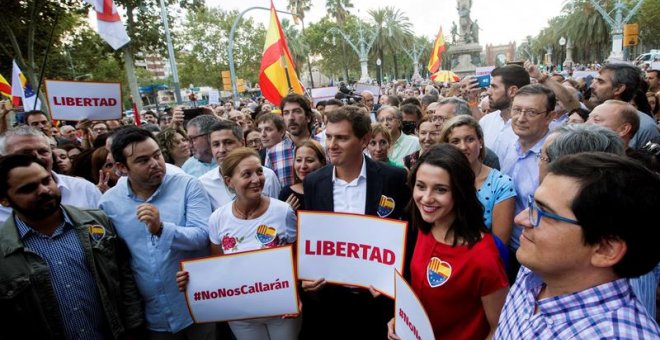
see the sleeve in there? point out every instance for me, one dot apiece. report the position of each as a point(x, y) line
point(92, 193)
point(194, 235)
point(214, 226)
point(504, 188)
point(291, 225)
point(130, 301)
point(491, 275)
point(272, 187)
point(267, 161)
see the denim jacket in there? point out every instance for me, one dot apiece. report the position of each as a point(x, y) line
point(28, 306)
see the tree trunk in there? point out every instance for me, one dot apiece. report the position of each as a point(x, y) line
point(396, 66)
point(343, 51)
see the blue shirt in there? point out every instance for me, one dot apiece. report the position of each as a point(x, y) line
point(606, 311)
point(74, 285)
point(496, 188)
point(194, 167)
point(645, 288)
point(523, 168)
point(184, 210)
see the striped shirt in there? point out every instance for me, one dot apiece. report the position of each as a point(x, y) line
point(74, 285)
point(610, 311)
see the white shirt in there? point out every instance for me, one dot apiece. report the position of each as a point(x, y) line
point(75, 191)
point(498, 134)
point(220, 195)
point(350, 197)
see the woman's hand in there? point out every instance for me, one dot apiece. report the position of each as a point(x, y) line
point(390, 331)
point(293, 201)
point(103, 181)
point(313, 286)
point(182, 280)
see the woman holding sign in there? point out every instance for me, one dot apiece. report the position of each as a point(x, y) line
point(455, 269)
point(252, 221)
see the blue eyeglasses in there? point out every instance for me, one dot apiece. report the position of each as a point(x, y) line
point(535, 214)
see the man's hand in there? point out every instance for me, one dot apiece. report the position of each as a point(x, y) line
point(470, 88)
point(313, 286)
point(149, 215)
point(532, 69)
point(177, 116)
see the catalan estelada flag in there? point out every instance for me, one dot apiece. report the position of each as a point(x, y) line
point(436, 54)
point(277, 76)
point(5, 88)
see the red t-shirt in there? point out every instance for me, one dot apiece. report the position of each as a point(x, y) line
point(450, 282)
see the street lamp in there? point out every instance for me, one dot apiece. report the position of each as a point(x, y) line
point(378, 63)
point(562, 43)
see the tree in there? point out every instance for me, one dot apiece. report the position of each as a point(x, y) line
point(648, 18)
point(297, 44)
point(298, 8)
point(395, 32)
point(338, 9)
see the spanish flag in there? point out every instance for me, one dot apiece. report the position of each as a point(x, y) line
point(5, 88)
point(277, 76)
point(436, 53)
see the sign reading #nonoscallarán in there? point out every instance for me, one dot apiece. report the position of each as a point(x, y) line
point(78, 100)
point(350, 249)
point(238, 286)
point(410, 318)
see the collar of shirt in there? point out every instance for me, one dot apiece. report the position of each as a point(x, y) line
point(24, 229)
point(572, 307)
point(533, 150)
point(363, 174)
point(131, 194)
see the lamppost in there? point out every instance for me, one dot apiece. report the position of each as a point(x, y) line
point(380, 74)
point(562, 43)
point(363, 46)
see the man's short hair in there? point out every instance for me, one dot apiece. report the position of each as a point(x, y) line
point(357, 116)
point(34, 113)
point(277, 120)
point(397, 112)
point(203, 123)
point(657, 72)
point(411, 100)
point(617, 200)
point(512, 75)
point(575, 138)
point(153, 128)
point(538, 89)
point(627, 114)
point(23, 131)
point(335, 102)
point(428, 99)
point(624, 74)
point(125, 137)
point(461, 107)
point(227, 125)
point(8, 163)
point(300, 100)
point(412, 109)
point(154, 114)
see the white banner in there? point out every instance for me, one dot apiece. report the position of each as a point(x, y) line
point(484, 70)
point(78, 100)
point(411, 321)
point(246, 285)
point(584, 74)
point(374, 89)
point(323, 93)
point(214, 97)
point(350, 249)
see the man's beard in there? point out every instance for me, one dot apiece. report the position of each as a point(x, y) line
point(502, 104)
point(45, 206)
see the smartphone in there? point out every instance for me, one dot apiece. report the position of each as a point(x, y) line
point(483, 80)
point(189, 114)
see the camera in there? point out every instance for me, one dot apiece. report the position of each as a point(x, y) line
point(347, 96)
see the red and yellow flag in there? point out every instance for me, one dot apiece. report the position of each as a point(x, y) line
point(436, 53)
point(5, 88)
point(277, 76)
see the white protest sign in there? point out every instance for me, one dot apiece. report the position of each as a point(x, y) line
point(214, 97)
point(350, 249)
point(484, 70)
point(323, 93)
point(374, 89)
point(411, 321)
point(584, 74)
point(78, 100)
point(244, 285)
point(655, 66)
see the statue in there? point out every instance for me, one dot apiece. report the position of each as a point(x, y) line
point(464, 20)
point(474, 32)
point(454, 32)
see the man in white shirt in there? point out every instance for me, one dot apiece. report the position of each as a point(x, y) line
point(28, 140)
point(225, 136)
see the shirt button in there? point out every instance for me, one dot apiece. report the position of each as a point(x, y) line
point(59, 262)
point(550, 322)
point(68, 286)
point(75, 309)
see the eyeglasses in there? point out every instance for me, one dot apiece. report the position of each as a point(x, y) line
point(529, 112)
point(192, 138)
point(535, 214)
point(437, 119)
point(386, 119)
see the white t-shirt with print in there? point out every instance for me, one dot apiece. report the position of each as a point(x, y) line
point(276, 227)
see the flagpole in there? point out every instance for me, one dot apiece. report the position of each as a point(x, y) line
point(43, 65)
point(286, 71)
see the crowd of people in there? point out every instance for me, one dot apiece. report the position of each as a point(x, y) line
point(537, 193)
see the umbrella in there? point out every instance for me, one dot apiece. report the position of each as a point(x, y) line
point(445, 76)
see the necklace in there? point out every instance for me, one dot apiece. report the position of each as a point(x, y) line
point(247, 215)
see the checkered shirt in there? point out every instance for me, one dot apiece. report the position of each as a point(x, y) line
point(607, 311)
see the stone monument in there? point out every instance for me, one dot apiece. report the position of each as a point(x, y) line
point(466, 51)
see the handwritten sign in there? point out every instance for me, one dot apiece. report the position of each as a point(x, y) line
point(240, 286)
point(77, 100)
point(350, 249)
point(410, 319)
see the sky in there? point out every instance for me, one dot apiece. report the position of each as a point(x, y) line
point(501, 21)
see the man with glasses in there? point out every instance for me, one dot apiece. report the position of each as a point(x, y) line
point(531, 114)
point(402, 144)
point(198, 130)
point(585, 234)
